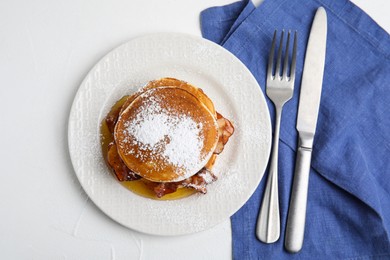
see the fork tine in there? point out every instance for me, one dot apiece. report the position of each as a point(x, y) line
point(294, 58)
point(271, 58)
point(278, 61)
point(286, 56)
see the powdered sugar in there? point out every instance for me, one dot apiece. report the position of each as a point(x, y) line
point(150, 130)
point(185, 143)
point(175, 138)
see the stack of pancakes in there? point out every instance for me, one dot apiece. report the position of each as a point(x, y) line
point(169, 134)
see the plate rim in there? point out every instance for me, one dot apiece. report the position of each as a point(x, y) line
point(174, 34)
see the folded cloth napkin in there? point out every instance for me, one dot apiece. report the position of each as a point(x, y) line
point(348, 211)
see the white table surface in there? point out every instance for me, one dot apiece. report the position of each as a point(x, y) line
point(46, 49)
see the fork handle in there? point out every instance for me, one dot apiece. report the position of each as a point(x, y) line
point(295, 228)
point(268, 222)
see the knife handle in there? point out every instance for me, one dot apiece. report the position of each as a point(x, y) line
point(295, 228)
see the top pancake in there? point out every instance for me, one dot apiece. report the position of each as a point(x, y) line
point(167, 133)
point(172, 82)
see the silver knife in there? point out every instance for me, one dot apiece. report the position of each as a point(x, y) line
point(309, 103)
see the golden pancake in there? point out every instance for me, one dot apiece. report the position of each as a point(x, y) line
point(197, 92)
point(167, 133)
point(172, 82)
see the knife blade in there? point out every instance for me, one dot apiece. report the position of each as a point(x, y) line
point(309, 103)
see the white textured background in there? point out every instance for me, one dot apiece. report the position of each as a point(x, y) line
point(46, 49)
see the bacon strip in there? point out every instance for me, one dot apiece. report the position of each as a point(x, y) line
point(200, 180)
point(225, 130)
point(163, 188)
point(197, 182)
point(121, 171)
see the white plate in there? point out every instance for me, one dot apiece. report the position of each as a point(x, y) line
point(236, 95)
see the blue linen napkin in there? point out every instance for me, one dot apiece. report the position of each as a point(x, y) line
point(348, 211)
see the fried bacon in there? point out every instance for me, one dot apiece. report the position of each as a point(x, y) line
point(161, 189)
point(112, 118)
point(120, 169)
point(225, 130)
point(197, 182)
point(200, 180)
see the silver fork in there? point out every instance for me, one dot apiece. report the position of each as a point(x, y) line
point(280, 89)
